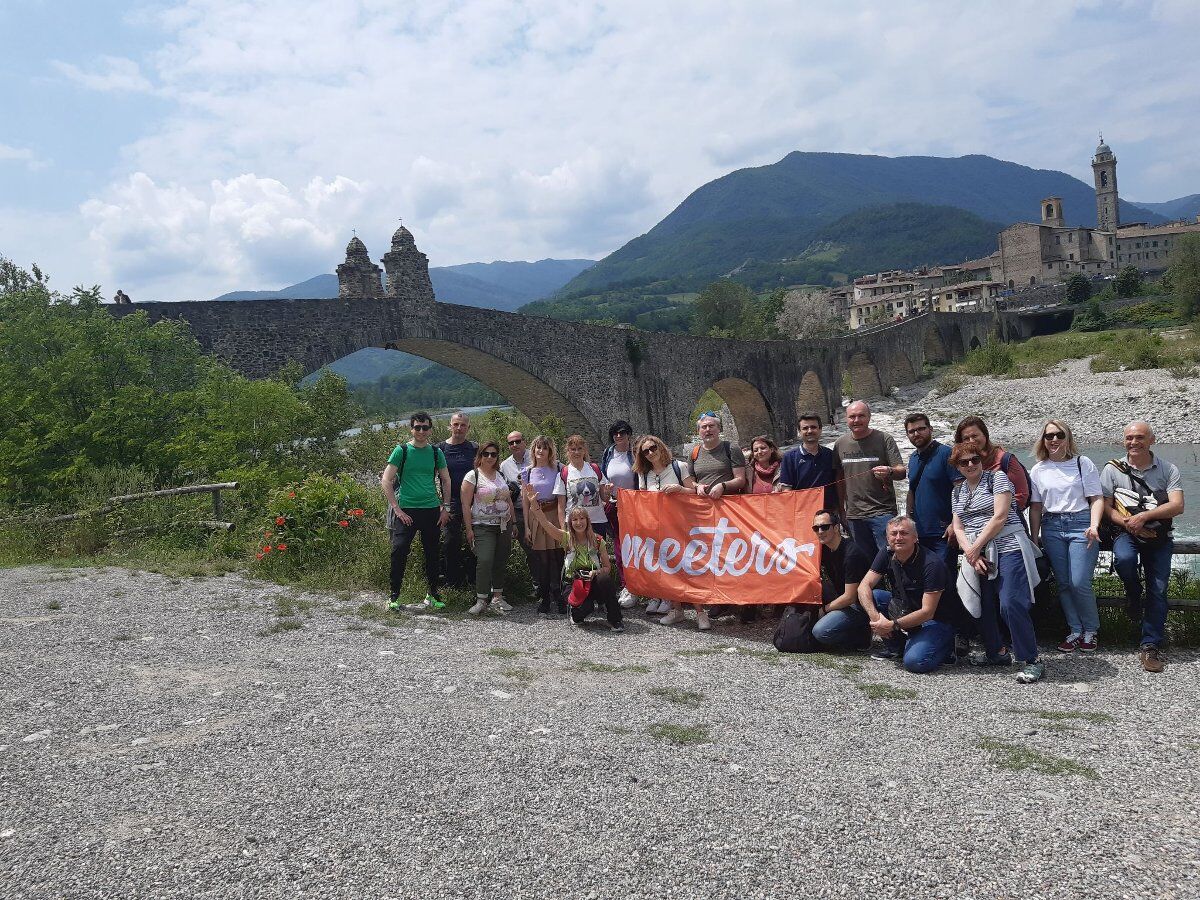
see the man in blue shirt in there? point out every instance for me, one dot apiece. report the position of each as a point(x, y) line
point(810, 465)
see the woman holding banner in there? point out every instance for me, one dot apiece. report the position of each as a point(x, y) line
point(586, 572)
point(656, 469)
point(547, 557)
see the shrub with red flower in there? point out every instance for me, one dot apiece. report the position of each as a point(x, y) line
point(313, 522)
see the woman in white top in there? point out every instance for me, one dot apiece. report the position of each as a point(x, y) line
point(1065, 508)
point(488, 520)
point(657, 470)
point(617, 466)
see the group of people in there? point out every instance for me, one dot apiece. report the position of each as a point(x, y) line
point(978, 533)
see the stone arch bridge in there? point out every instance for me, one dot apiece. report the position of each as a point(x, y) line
point(589, 375)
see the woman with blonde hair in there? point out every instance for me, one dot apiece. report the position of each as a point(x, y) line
point(656, 469)
point(586, 573)
point(1066, 504)
point(546, 554)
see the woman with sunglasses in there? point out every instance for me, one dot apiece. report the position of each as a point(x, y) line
point(617, 466)
point(998, 563)
point(546, 552)
point(1066, 504)
point(487, 522)
point(656, 469)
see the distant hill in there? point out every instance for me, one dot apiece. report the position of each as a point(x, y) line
point(869, 239)
point(1181, 208)
point(759, 215)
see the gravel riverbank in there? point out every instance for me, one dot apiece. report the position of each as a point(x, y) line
point(164, 738)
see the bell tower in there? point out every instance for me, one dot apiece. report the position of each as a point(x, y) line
point(1104, 169)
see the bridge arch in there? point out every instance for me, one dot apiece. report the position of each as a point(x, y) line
point(751, 415)
point(975, 345)
point(957, 350)
point(811, 397)
point(902, 369)
point(936, 352)
point(865, 380)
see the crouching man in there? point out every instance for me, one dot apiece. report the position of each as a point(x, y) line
point(905, 615)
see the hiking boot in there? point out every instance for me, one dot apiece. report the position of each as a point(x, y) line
point(1031, 672)
point(1087, 643)
point(618, 627)
point(702, 621)
point(1150, 659)
point(480, 607)
point(434, 602)
point(674, 617)
point(1069, 644)
point(982, 658)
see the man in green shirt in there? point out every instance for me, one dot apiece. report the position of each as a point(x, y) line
point(415, 507)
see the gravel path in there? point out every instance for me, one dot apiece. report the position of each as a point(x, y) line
point(154, 742)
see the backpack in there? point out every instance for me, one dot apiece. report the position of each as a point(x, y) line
point(794, 633)
point(437, 455)
point(565, 472)
point(643, 480)
point(1006, 462)
point(1147, 498)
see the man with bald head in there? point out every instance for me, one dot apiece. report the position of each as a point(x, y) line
point(865, 463)
point(1142, 494)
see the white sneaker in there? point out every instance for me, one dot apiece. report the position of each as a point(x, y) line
point(627, 600)
point(674, 617)
point(655, 607)
point(504, 605)
point(702, 619)
point(480, 607)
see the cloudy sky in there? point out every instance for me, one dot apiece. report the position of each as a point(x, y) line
point(182, 149)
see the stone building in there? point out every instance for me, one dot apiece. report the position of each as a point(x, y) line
point(1149, 247)
point(358, 276)
point(1104, 171)
point(407, 268)
point(1035, 252)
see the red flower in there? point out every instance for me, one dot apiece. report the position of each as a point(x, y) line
point(291, 495)
point(258, 556)
point(344, 523)
point(267, 549)
point(357, 513)
point(280, 520)
point(281, 547)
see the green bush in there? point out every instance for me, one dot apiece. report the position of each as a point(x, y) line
point(993, 358)
point(313, 524)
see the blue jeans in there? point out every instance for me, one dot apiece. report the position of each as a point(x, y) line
point(1074, 563)
point(870, 534)
point(1008, 595)
point(1156, 561)
point(844, 629)
point(923, 650)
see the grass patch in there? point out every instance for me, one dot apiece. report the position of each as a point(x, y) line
point(1016, 758)
point(381, 615)
point(281, 626)
point(586, 665)
point(876, 691)
point(706, 651)
point(54, 604)
point(675, 695)
point(829, 661)
point(522, 674)
point(504, 653)
point(681, 735)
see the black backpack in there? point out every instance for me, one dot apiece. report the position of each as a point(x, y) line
point(794, 634)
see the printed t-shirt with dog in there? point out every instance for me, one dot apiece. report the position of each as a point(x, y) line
point(853, 460)
point(582, 489)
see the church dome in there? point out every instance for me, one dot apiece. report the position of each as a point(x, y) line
point(402, 237)
point(355, 247)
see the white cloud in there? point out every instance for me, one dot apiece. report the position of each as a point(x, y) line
point(112, 73)
point(533, 128)
point(22, 155)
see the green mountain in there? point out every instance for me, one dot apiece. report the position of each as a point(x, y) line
point(759, 216)
point(1180, 208)
point(866, 240)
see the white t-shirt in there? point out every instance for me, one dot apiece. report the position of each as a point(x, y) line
point(582, 489)
point(620, 472)
point(656, 481)
point(491, 503)
point(1059, 488)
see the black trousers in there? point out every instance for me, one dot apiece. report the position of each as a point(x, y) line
point(603, 593)
point(425, 523)
point(460, 561)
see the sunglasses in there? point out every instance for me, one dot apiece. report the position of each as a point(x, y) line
point(622, 431)
point(970, 461)
point(517, 441)
point(646, 451)
point(487, 453)
point(821, 529)
point(708, 415)
point(1054, 436)
point(422, 427)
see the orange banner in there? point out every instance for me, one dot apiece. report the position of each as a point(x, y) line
point(749, 548)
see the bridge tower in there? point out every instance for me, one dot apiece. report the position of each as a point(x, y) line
point(407, 269)
point(358, 276)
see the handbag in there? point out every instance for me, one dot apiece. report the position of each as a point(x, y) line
point(794, 633)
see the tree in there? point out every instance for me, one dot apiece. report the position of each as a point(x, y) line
point(1185, 275)
point(1129, 282)
point(760, 315)
point(1079, 288)
point(719, 308)
point(807, 316)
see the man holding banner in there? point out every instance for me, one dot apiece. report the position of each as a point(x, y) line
point(905, 616)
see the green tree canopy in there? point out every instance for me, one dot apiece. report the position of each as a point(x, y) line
point(719, 308)
point(1079, 288)
point(1128, 282)
point(1185, 275)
